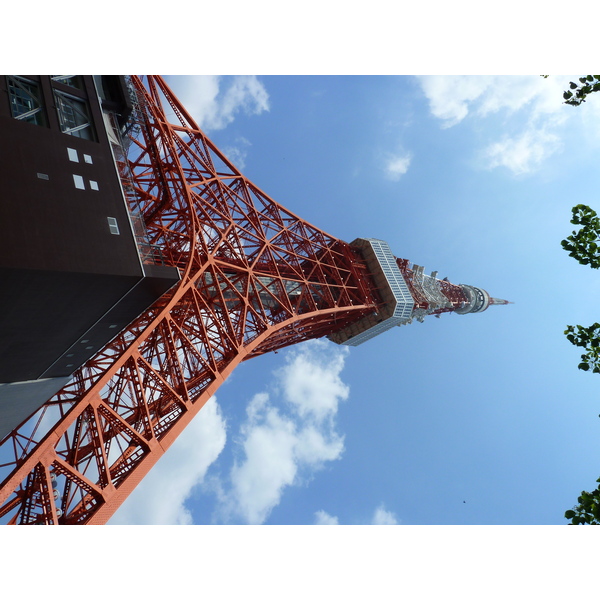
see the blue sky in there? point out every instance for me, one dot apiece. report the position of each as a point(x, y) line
point(477, 419)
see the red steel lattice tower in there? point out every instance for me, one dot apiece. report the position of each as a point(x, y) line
point(254, 278)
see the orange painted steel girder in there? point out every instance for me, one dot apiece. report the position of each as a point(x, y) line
point(254, 278)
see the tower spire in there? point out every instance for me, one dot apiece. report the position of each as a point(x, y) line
point(498, 301)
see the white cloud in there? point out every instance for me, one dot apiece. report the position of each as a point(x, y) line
point(270, 463)
point(214, 101)
point(532, 108)
point(317, 444)
point(397, 165)
point(311, 380)
point(247, 93)
point(523, 153)
point(280, 447)
point(451, 98)
point(237, 154)
point(542, 96)
point(323, 518)
point(160, 497)
point(383, 517)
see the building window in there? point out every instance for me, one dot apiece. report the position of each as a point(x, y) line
point(74, 116)
point(112, 225)
point(26, 100)
point(74, 81)
point(78, 181)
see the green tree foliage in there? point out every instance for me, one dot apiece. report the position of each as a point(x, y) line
point(588, 338)
point(578, 92)
point(587, 512)
point(582, 245)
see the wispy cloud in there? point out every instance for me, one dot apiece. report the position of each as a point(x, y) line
point(160, 498)
point(285, 446)
point(381, 516)
point(214, 101)
point(397, 165)
point(532, 109)
point(522, 153)
point(452, 98)
point(323, 518)
point(237, 153)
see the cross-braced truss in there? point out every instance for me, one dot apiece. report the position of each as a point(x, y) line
point(254, 278)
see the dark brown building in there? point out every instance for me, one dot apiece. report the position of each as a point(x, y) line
point(71, 246)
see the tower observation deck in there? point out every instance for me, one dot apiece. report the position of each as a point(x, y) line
point(407, 294)
point(172, 270)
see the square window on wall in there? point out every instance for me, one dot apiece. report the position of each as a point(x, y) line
point(113, 226)
point(78, 181)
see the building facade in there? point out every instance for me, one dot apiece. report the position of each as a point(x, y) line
point(73, 267)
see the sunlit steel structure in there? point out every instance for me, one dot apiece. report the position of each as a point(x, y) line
point(252, 278)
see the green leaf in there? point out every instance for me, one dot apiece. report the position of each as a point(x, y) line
point(584, 366)
point(569, 514)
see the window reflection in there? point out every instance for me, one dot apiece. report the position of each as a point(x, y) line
point(74, 116)
point(25, 100)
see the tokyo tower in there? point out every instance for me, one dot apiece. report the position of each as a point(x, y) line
point(245, 276)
